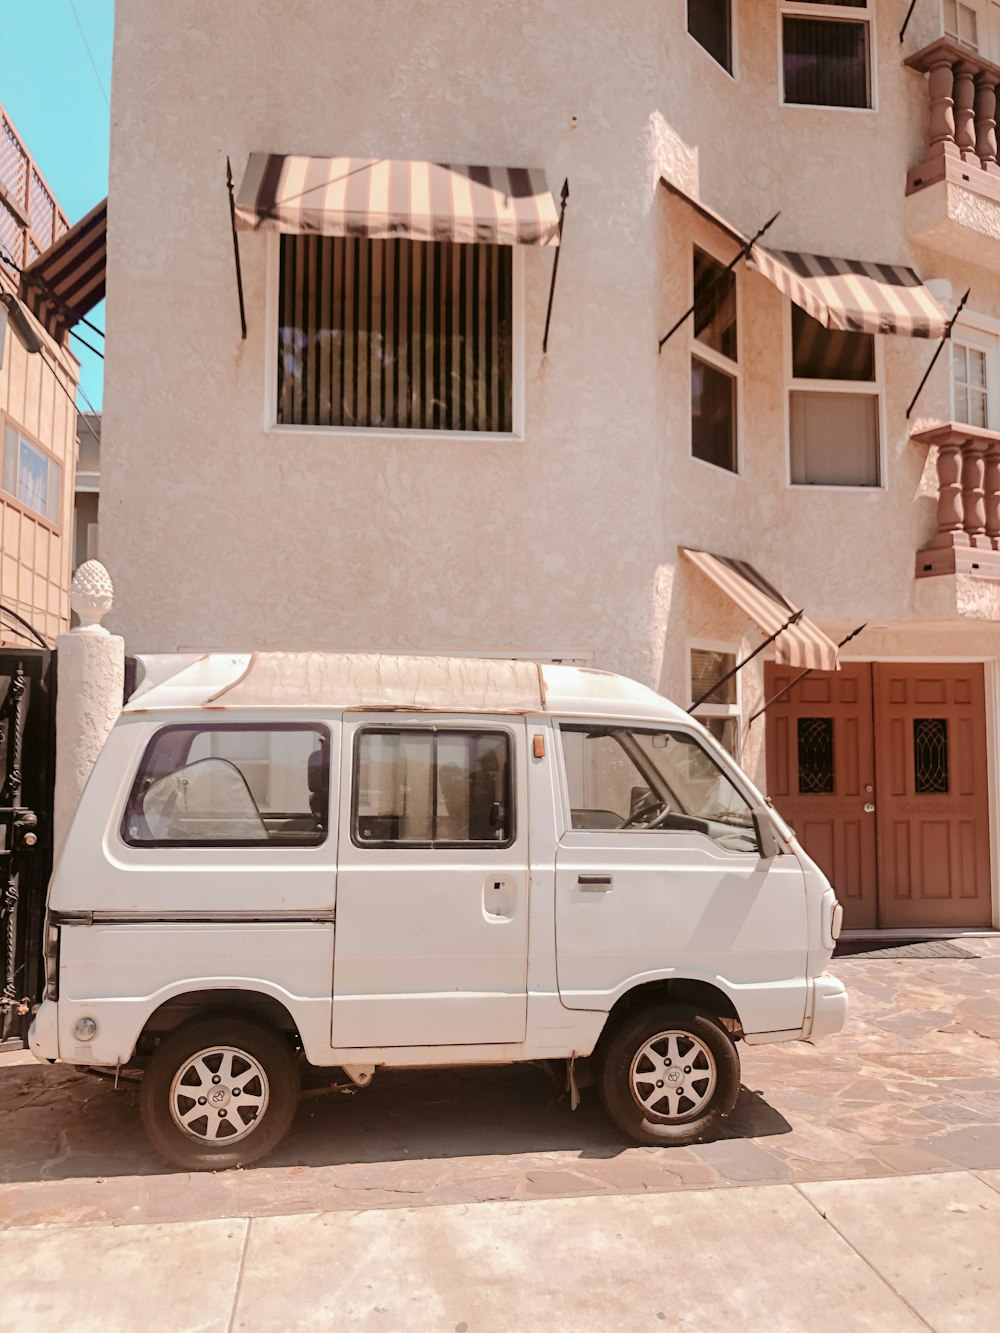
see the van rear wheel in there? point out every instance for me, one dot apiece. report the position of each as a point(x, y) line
point(219, 1093)
point(669, 1074)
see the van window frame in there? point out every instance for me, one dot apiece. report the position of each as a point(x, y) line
point(433, 729)
point(159, 844)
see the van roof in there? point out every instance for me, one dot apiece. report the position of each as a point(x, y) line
point(382, 682)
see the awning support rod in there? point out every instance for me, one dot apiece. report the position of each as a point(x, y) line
point(236, 246)
point(793, 619)
point(563, 197)
point(940, 348)
point(792, 683)
point(906, 21)
point(718, 278)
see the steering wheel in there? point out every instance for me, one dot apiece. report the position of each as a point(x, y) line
point(652, 805)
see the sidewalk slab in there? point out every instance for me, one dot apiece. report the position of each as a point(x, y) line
point(935, 1239)
point(160, 1278)
point(760, 1259)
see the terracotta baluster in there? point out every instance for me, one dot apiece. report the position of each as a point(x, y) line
point(986, 124)
point(991, 485)
point(950, 511)
point(974, 491)
point(964, 94)
point(941, 129)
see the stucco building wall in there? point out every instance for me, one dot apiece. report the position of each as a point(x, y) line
point(226, 533)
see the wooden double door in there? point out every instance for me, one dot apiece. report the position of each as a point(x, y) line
point(881, 769)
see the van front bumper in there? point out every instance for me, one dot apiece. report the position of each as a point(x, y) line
point(43, 1035)
point(829, 1009)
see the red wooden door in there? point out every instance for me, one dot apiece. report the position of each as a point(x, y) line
point(933, 810)
point(821, 776)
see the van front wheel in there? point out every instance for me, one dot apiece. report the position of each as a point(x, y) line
point(669, 1074)
point(219, 1093)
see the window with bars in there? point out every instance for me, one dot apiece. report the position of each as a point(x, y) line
point(827, 53)
point(395, 335)
point(833, 406)
point(714, 364)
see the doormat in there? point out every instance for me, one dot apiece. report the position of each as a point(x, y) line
point(902, 949)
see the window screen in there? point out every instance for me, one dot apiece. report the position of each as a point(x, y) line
point(433, 788)
point(231, 786)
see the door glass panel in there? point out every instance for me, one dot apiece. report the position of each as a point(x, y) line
point(930, 755)
point(815, 756)
point(428, 788)
point(621, 778)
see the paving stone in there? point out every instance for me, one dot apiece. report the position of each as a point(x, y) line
point(975, 1147)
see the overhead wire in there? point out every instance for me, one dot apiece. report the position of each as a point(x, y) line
point(93, 62)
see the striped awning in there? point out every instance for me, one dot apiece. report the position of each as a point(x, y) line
point(383, 200)
point(802, 644)
point(850, 295)
point(67, 281)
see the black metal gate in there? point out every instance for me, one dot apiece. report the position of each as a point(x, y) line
point(27, 776)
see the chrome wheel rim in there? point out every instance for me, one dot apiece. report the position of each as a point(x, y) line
point(672, 1077)
point(219, 1095)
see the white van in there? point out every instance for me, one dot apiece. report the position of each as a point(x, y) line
point(354, 862)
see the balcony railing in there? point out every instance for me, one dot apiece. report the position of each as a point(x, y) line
point(967, 540)
point(962, 128)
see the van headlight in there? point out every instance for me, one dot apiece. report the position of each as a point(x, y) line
point(51, 960)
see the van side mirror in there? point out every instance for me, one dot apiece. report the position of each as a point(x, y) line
point(768, 841)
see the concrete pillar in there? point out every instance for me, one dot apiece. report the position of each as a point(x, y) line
point(90, 686)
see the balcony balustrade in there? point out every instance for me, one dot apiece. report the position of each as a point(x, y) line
point(968, 509)
point(962, 128)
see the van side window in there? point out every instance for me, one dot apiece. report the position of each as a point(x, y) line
point(231, 786)
point(632, 779)
point(432, 788)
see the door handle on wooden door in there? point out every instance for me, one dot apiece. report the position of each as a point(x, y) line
point(595, 883)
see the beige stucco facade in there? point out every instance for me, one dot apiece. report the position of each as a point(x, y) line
point(36, 402)
point(230, 532)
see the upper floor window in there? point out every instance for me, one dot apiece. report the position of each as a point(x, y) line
point(714, 364)
point(710, 23)
point(30, 475)
point(433, 788)
point(231, 786)
point(395, 335)
point(833, 405)
point(827, 52)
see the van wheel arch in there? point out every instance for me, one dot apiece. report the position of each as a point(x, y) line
point(701, 995)
point(192, 1006)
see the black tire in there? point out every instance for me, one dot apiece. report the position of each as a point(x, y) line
point(255, 1129)
point(693, 1113)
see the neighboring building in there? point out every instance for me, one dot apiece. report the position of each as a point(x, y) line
point(389, 460)
point(37, 414)
point(88, 487)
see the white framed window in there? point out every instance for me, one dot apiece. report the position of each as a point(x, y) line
point(394, 337)
point(710, 23)
point(827, 53)
point(975, 376)
point(974, 24)
point(834, 405)
point(715, 371)
point(30, 475)
point(709, 665)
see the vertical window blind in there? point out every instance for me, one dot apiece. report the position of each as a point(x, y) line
point(398, 334)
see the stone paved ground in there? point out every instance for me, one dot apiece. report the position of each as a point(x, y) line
point(912, 1086)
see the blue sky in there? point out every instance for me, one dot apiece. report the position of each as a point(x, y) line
point(55, 99)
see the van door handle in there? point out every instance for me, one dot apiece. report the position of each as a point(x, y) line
point(595, 883)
